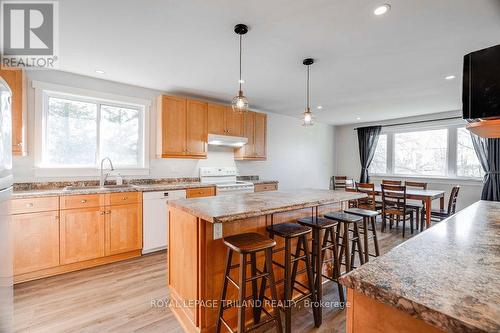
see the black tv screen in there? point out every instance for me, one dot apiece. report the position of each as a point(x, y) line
point(481, 84)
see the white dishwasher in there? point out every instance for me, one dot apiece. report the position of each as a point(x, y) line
point(155, 218)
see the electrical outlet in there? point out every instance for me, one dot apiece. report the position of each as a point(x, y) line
point(217, 231)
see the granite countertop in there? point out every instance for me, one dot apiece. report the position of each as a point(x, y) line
point(229, 208)
point(23, 191)
point(448, 276)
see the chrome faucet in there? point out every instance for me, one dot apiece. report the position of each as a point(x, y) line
point(103, 178)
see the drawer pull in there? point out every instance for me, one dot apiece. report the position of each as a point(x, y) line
point(124, 198)
point(30, 205)
point(83, 201)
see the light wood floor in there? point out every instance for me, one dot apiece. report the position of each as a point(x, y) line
point(117, 298)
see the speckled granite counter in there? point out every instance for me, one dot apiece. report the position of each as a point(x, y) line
point(220, 209)
point(31, 190)
point(448, 276)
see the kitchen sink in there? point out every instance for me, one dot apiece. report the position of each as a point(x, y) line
point(105, 187)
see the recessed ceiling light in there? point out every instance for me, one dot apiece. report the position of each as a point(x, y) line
point(100, 71)
point(381, 10)
point(319, 107)
point(450, 77)
point(358, 118)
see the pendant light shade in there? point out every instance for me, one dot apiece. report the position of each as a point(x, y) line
point(308, 117)
point(240, 102)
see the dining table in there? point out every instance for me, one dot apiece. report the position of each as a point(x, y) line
point(426, 196)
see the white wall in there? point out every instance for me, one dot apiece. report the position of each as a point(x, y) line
point(292, 149)
point(348, 163)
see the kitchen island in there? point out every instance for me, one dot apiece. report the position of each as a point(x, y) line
point(447, 279)
point(197, 253)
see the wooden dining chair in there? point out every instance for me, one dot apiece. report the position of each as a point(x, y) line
point(441, 214)
point(394, 206)
point(339, 182)
point(352, 203)
point(369, 202)
point(417, 206)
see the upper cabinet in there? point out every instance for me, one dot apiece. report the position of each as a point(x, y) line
point(223, 120)
point(16, 79)
point(183, 127)
point(255, 130)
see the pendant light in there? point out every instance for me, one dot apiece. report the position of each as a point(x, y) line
point(308, 116)
point(240, 102)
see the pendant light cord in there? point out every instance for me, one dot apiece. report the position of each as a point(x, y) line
point(307, 88)
point(240, 60)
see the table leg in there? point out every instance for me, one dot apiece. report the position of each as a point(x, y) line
point(428, 203)
point(441, 202)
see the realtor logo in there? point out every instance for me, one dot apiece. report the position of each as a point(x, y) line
point(29, 34)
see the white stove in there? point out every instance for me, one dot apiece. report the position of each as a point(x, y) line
point(224, 179)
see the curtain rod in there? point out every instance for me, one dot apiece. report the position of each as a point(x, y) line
point(417, 122)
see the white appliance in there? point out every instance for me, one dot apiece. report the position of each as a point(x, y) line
point(226, 140)
point(6, 181)
point(224, 179)
point(155, 218)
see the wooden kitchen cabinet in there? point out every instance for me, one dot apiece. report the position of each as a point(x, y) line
point(123, 228)
point(35, 241)
point(255, 130)
point(183, 128)
point(222, 120)
point(16, 79)
point(82, 234)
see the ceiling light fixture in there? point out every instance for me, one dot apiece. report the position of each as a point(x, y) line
point(319, 107)
point(450, 77)
point(381, 10)
point(308, 116)
point(358, 118)
point(240, 102)
point(100, 71)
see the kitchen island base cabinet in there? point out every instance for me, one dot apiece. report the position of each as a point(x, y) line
point(197, 260)
point(366, 315)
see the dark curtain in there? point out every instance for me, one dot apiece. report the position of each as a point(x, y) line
point(488, 153)
point(367, 140)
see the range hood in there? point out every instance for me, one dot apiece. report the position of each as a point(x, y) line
point(226, 140)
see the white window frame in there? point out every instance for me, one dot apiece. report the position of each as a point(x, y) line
point(45, 90)
point(451, 160)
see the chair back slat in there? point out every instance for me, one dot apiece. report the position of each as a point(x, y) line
point(368, 189)
point(419, 185)
point(339, 182)
point(452, 203)
point(391, 182)
point(394, 198)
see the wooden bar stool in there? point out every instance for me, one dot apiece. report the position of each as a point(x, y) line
point(290, 231)
point(345, 221)
point(369, 217)
point(319, 248)
point(249, 244)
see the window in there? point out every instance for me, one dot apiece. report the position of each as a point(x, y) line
point(467, 163)
point(77, 132)
point(379, 162)
point(421, 153)
point(444, 151)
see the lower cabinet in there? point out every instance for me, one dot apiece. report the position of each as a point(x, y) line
point(35, 241)
point(123, 229)
point(82, 234)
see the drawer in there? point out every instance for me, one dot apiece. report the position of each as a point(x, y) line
point(124, 198)
point(33, 205)
point(265, 187)
point(200, 192)
point(81, 201)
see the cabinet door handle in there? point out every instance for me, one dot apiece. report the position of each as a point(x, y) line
point(108, 212)
point(83, 201)
point(103, 212)
point(124, 198)
point(30, 205)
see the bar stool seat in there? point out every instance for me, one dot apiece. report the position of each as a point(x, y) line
point(362, 212)
point(288, 230)
point(317, 222)
point(249, 242)
point(343, 217)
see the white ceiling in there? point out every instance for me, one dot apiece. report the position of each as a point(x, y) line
point(369, 67)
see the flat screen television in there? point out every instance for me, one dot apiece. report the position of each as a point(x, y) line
point(481, 84)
